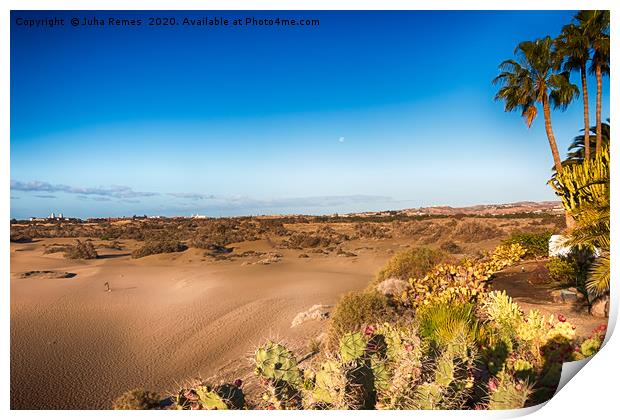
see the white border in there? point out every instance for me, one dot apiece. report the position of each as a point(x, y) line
point(593, 394)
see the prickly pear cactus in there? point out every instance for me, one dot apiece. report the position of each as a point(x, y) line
point(206, 397)
point(329, 386)
point(381, 374)
point(506, 393)
point(427, 396)
point(210, 400)
point(352, 347)
point(450, 381)
point(275, 362)
point(360, 386)
point(444, 371)
point(277, 367)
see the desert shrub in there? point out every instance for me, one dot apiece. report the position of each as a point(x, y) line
point(20, 238)
point(451, 247)
point(56, 248)
point(115, 245)
point(223, 232)
point(137, 399)
point(158, 247)
point(562, 270)
point(372, 231)
point(411, 263)
point(475, 231)
point(313, 345)
point(536, 244)
point(412, 228)
point(436, 234)
point(81, 251)
point(355, 310)
point(322, 238)
point(214, 250)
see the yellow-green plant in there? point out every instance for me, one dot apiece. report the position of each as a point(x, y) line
point(207, 397)
point(465, 282)
point(584, 191)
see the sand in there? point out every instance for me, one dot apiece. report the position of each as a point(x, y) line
point(168, 318)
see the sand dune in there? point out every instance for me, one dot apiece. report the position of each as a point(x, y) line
point(168, 318)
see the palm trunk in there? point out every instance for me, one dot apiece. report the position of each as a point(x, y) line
point(554, 147)
point(570, 221)
point(586, 113)
point(599, 93)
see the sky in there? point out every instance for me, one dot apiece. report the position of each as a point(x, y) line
point(366, 111)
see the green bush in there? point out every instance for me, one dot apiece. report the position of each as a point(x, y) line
point(158, 247)
point(563, 270)
point(536, 244)
point(411, 263)
point(81, 251)
point(355, 310)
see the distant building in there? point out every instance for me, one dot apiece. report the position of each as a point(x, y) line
point(54, 216)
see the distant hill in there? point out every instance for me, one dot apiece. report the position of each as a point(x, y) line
point(490, 209)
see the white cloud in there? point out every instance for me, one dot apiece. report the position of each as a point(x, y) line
point(114, 191)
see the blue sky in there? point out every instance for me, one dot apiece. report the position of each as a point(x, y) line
point(367, 111)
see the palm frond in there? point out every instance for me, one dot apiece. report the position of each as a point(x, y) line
point(599, 281)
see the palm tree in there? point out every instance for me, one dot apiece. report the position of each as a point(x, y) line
point(533, 79)
point(574, 45)
point(576, 150)
point(596, 26)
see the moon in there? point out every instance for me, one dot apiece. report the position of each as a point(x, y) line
point(341, 139)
